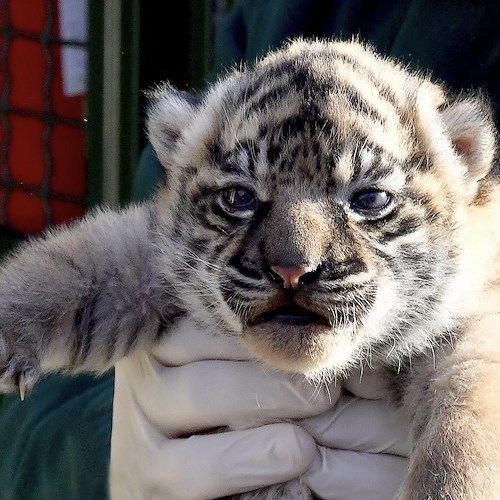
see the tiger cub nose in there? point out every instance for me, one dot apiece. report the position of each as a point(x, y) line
point(290, 277)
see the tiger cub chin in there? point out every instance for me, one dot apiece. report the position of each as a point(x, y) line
point(327, 206)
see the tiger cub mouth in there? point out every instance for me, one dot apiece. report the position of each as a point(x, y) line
point(295, 338)
point(292, 314)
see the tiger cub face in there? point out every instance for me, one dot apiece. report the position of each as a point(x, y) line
point(316, 204)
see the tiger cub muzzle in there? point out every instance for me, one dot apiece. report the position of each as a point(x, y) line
point(307, 311)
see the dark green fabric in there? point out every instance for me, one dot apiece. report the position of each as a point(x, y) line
point(55, 445)
point(149, 174)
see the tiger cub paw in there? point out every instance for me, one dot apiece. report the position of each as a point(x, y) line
point(19, 372)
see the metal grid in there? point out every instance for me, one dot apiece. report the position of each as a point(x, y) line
point(48, 116)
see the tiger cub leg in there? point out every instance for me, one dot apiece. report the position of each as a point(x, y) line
point(456, 452)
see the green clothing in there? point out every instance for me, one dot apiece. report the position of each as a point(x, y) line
point(55, 445)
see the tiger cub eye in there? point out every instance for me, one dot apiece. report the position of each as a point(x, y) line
point(237, 199)
point(371, 202)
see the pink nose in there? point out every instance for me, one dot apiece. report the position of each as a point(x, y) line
point(291, 275)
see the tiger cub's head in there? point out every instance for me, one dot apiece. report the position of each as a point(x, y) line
point(315, 203)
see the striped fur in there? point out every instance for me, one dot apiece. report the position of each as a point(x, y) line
point(305, 137)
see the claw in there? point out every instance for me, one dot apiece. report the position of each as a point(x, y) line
point(22, 386)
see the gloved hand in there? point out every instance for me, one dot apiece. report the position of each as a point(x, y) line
point(193, 382)
point(363, 445)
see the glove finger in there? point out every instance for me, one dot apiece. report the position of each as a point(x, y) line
point(362, 425)
point(208, 394)
point(212, 466)
point(366, 384)
point(187, 342)
point(350, 475)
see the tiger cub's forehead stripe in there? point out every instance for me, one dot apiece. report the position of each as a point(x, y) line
point(374, 166)
point(314, 92)
point(321, 72)
point(238, 161)
point(338, 101)
point(344, 169)
point(393, 83)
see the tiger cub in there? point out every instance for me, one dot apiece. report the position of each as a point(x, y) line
point(327, 206)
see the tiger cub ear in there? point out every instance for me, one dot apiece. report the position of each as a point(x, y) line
point(169, 112)
point(469, 123)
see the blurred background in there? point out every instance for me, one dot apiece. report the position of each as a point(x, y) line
point(71, 110)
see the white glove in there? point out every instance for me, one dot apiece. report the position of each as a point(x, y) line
point(193, 382)
point(363, 445)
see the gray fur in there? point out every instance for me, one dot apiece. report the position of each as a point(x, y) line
point(81, 298)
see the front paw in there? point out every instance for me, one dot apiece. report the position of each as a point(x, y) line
point(19, 372)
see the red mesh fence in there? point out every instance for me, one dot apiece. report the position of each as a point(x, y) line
point(42, 138)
